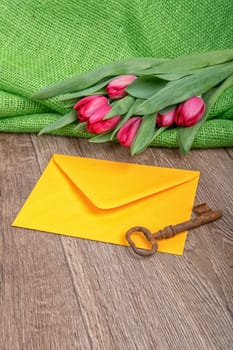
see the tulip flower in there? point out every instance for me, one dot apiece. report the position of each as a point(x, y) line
point(128, 131)
point(96, 123)
point(89, 105)
point(116, 87)
point(190, 112)
point(166, 119)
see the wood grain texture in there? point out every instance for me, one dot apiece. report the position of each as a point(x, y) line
point(59, 292)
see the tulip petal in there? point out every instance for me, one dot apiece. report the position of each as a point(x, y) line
point(89, 107)
point(128, 131)
point(116, 87)
point(186, 136)
point(128, 115)
point(102, 125)
point(190, 112)
point(85, 100)
point(166, 119)
point(99, 114)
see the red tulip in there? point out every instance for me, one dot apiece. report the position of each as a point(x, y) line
point(96, 124)
point(88, 105)
point(190, 112)
point(116, 87)
point(166, 119)
point(128, 131)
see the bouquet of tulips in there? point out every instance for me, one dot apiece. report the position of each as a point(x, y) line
point(134, 100)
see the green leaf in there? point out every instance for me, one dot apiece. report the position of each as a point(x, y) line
point(182, 89)
point(156, 72)
point(168, 109)
point(81, 127)
point(176, 76)
point(158, 132)
point(135, 66)
point(93, 90)
point(88, 79)
point(105, 137)
point(82, 93)
point(145, 86)
point(193, 61)
point(120, 107)
point(129, 114)
point(70, 104)
point(144, 135)
point(172, 76)
point(186, 136)
point(60, 123)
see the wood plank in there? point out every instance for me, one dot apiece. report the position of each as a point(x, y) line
point(164, 302)
point(38, 305)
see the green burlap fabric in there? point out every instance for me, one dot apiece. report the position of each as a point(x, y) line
point(43, 41)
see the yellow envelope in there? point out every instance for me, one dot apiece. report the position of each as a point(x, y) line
point(101, 200)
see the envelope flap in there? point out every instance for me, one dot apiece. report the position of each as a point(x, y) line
point(109, 184)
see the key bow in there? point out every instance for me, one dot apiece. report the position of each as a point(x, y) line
point(204, 215)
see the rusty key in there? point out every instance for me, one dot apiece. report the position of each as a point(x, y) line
point(204, 215)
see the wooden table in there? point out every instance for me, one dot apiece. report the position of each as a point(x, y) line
point(63, 293)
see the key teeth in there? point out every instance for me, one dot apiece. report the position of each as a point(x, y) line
point(201, 208)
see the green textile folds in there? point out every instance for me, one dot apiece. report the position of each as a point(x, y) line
point(46, 41)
